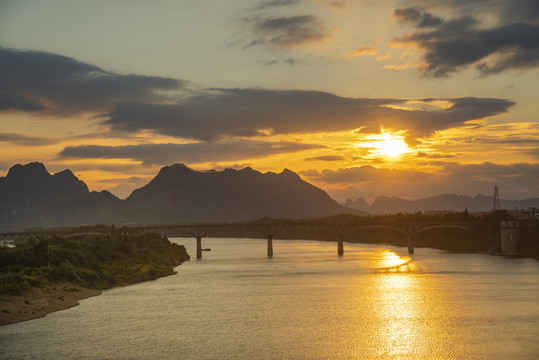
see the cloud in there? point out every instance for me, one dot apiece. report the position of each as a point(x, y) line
point(367, 173)
point(505, 11)
point(40, 82)
point(326, 158)
point(417, 17)
point(220, 113)
point(460, 42)
point(133, 180)
point(287, 32)
point(288, 61)
point(535, 152)
point(430, 155)
point(277, 3)
point(163, 154)
point(366, 50)
point(20, 139)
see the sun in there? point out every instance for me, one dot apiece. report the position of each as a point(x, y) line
point(386, 144)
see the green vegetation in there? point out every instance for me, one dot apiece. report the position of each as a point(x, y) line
point(94, 261)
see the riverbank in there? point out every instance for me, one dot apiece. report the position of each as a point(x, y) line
point(42, 301)
point(44, 276)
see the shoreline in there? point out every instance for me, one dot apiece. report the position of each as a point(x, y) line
point(40, 302)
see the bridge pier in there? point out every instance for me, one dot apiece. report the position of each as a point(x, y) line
point(199, 247)
point(340, 246)
point(270, 245)
point(410, 245)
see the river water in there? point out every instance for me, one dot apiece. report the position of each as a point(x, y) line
point(304, 303)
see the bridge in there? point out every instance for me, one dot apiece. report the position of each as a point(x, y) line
point(268, 229)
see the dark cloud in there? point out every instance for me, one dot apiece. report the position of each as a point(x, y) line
point(162, 154)
point(520, 10)
point(133, 180)
point(285, 32)
point(435, 155)
point(365, 173)
point(277, 3)
point(58, 85)
point(417, 17)
point(326, 158)
point(254, 112)
point(20, 139)
point(521, 141)
point(460, 42)
point(86, 166)
point(288, 61)
point(506, 11)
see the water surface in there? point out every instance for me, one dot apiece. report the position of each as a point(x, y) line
point(304, 303)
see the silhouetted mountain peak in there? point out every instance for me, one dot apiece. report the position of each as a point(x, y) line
point(358, 204)
point(174, 169)
point(287, 172)
point(178, 192)
point(443, 202)
point(168, 173)
point(248, 171)
point(66, 174)
point(34, 170)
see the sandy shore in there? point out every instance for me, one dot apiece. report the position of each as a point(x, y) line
point(41, 302)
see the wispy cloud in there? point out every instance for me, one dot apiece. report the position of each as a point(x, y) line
point(26, 140)
point(326, 158)
point(276, 3)
point(418, 17)
point(287, 32)
point(365, 50)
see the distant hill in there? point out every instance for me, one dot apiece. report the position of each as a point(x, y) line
point(33, 197)
point(445, 202)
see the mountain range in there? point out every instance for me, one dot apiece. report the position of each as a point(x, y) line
point(31, 196)
point(445, 202)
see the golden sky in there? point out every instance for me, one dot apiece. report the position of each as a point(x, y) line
point(408, 98)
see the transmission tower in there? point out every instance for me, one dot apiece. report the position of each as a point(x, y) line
point(496, 198)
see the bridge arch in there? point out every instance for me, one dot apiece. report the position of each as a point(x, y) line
point(461, 227)
point(388, 227)
point(280, 228)
point(363, 227)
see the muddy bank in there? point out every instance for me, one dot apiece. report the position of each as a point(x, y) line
point(40, 302)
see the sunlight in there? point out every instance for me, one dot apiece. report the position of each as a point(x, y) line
point(386, 144)
point(390, 261)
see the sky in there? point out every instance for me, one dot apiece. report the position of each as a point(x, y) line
point(363, 98)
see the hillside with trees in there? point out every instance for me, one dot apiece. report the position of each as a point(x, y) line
point(95, 261)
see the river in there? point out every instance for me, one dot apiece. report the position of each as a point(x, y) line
point(304, 303)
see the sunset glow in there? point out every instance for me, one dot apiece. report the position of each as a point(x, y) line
point(347, 94)
point(387, 145)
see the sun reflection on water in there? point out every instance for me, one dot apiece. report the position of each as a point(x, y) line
point(390, 261)
point(399, 305)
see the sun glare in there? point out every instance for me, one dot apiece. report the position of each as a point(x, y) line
point(386, 144)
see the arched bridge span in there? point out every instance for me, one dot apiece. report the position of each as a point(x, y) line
point(270, 229)
point(339, 230)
